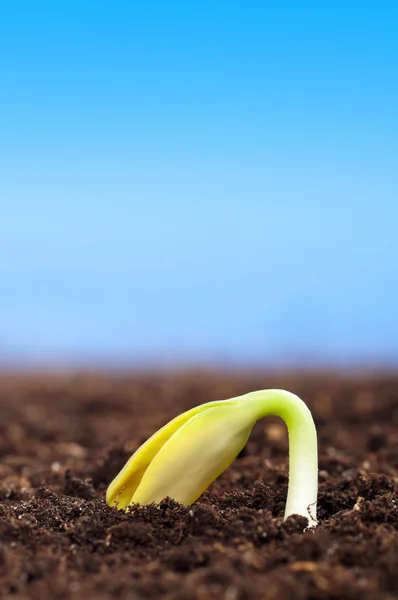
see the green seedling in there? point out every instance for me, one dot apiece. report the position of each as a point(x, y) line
point(192, 450)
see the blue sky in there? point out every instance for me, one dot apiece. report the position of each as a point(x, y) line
point(210, 182)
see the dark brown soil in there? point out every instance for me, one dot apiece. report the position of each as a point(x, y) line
point(63, 438)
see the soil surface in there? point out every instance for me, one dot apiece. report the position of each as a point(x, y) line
point(64, 437)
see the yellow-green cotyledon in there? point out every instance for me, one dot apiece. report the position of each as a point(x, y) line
point(192, 450)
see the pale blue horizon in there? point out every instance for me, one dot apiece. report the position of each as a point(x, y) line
point(198, 183)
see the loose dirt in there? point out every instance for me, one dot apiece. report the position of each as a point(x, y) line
point(63, 438)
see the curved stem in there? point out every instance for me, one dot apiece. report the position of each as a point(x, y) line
point(303, 449)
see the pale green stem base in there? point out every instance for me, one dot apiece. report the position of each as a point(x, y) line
point(303, 449)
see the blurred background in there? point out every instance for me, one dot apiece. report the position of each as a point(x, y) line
point(198, 183)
